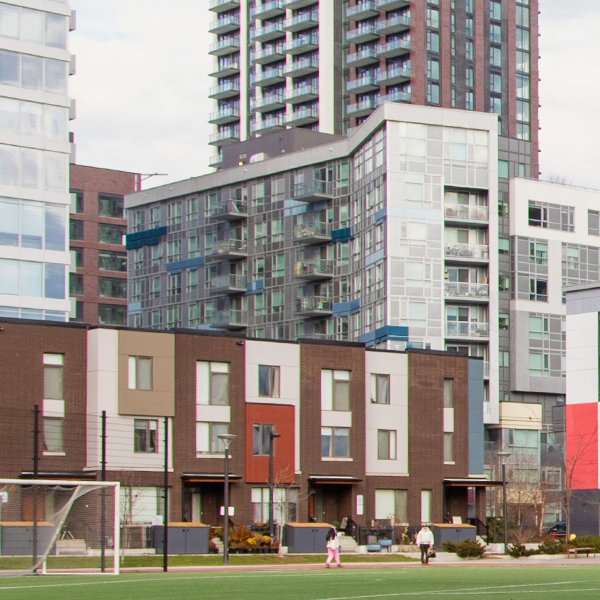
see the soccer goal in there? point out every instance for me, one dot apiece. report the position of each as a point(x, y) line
point(59, 526)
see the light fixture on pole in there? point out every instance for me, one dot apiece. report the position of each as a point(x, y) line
point(226, 438)
point(272, 436)
point(503, 456)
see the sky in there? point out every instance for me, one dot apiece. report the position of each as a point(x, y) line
point(142, 83)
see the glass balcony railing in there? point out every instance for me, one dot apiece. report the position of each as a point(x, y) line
point(226, 23)
point(393, 23)
point(227, 283)
point(229, 87)
point(227, 135)
point(300, 94)
point(315, 190)
point(225, 46)
point(364, 106)
point(397, 74)
point(399, 96)
point(465, 212)
point(226, 248)
point(467, 330)
point(304, 20)
point(454, 289)
point(223, 5)
point(302, 116)
point(268, 74)
point(236, 208)
point(363, 56)
point(466, 251)
point(270, 100)
point(267, 124)
point(229, 319)
point(267, 32)
point(364, 81)
point(314, 304)
point(302, 66)
point(313, 269)
point(363, 33)
point(310, 231)
point(267, 9)
point(302, 43)
point(362, 10)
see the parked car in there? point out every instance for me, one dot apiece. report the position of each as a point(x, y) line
point(557, 531)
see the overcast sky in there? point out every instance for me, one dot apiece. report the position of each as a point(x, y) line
point(142, 83)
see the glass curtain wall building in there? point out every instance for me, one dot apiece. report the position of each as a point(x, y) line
point(34, 156)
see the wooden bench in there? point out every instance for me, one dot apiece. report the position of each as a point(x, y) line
point(587, 551)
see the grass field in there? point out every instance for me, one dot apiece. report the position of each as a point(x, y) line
point(512, 583)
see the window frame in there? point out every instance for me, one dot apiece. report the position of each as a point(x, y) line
point(149, 443)
point(273, 381)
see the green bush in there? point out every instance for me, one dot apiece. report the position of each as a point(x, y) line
point(553, 547)
point(518, 550)
point(589, 541)
point(465, 548)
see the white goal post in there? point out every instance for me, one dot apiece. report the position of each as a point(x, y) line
point(64, 518)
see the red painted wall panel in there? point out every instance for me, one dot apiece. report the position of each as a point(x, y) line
point(582, 446)
point(257, 467)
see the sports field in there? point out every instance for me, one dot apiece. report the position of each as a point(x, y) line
point(555, 582)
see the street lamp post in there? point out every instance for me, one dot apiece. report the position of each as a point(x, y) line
point(503, 456)
point(226, 438)
point(272, 437)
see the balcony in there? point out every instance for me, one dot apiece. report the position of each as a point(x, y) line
point(225, 46)
point(269, 76)
point(229, 319)
point(268, 10)
point(478, 292)
point(367, 83)
point(224, 25)
point(296, 4)
point(312, 233)
point(303, 116)
point(464, 213)
point(393, 24)
point(399, 96)
point(364, 107)
point(229, 114)
point(394, 76)
point(268, 55)
point(225, 138)
point(364, 10)
point(215, 161)
point(228, 250)
point(314, 307)
point(267, 125)
point(392, 4)
point(223, 5)
point(272, 31)
point(304, 93)
point(230, 210)
point(302, 44)
point(302, 66)
point(395, 48)
point(227, 69)
point(230, 89)
point(368, 56)
point(227, 284)
point(463, 329)
point(267, 103)
point(362, 35)
point(466, 252)
point(312, 191)
point(313, 269)
point(307, 20)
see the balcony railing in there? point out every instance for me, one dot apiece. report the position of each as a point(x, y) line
point(467, 251)
point(302, 21)
point(464, 212)
point(312, 232)
point(267, 10)
point(235, 284)
point(393, 24)
point(362, 34)
point(399, 96)
point(364, 10)
point(225, 24)
point(366, 81)
point(467, 330)
point(302, 43)
point(395, 48)
point(302, 116)
point(229, 210)
point(391, 4)
point(224, 137)
point(314, 306)
point(302, 66)
point(229, 88)
point(268, 32)
point(393, 75)
point(267, 124)
point(223, 5)
point(227, 249)
point(302, 94)
point(267, 76)
point(229, 319)
point(454, 289)
point(365, 106)
point(268, 102)
point(269, 54)
point(313, 269)
point(225, 46)
point(312, 191)
point(225, 115)
point(363, 57)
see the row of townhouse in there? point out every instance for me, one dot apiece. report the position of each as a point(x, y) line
point(366, 434)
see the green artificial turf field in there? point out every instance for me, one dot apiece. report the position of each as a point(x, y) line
point(512, 583)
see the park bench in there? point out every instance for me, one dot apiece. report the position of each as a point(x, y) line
point(576, 551)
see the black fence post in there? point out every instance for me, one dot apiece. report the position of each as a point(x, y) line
point(103, 496)
point(36, 460)
point(166, 501)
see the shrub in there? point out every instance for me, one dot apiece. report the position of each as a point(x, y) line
point(518, 550)
point(464, 549)
point(553, 547)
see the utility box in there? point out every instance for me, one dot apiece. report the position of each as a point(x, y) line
point(306, 538)
point(16, 538)
point(184, 538)
point(448, 532)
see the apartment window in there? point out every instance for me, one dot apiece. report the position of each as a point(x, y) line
point(193, 247)
point(503, 321)
point(386, 444)
point(425, 506)
point(75, 229)
point(139, 372)
point(212, 383)
point(173, 317)
point(114, 261)
point(503, 358)
point(593, 222)
point(174, 250)
point(145, 437)
point(452, 46)
point(469, 101)
point(110, 206)
point(157, 252)
point(77, 257)
point(112, 314)
point(538, 290)
point(111, 234)
point(469, 50)
point(538, 328)
point(433, 93)
point(285, 504)
point(278, 265)
point(433, 69)
point(522, 61)
point(504, 283)
point(261, 439)
point(433, 41)
point(522, 131)
point(469, 26)
point(522, 40)
point(495, 83)
point(523, 89)
point(551, 216)
point(522, 16)
point(53, 434)
point(469, 76)
point(192, 209)
point(391, 504)
point(174, 213)
point(496, 10)
point(277, 301)
point(448, 393)
point(538, 365)
point(503, 169)
point(173, 284)
point(433, 18)
point(495, 33)
point(268, 381)
point(538, 253)
point(207, 437)
point(448, 447)
point(341, 390)
point(380, 389)
point(495, 57)
point(112, 288)
point(155, 216)
point(53, 376)
point(523, 111)
point(77, 202)
point(335, 442)
point(75, 284)
point(191, 281)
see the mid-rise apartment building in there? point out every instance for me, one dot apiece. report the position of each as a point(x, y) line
point(327, 65)
point(35, 108)
point(98, 277)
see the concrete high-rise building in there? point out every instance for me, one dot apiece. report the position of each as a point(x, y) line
point(35, 108)
point(327, 64)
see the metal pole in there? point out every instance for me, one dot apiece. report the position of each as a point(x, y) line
point(166, 501)
point(226, 511)
point(271, 490)
point(103, 496)
point(504, 511)
point(36, 460)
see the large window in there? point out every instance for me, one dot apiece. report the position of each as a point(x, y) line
point(448, 393)
point(111, 234)
point(33, 26)
point(53, 390)
point(391, 504)
point(110, 206)
point(75, 284)
point(112, 261)
point(341, 390)
point(212, 383)
point(538, 289)
point(335, 442)
point(386, 444)
point(33, 72)
point(112, 288)
point(539, 364)
point(112, 314)
point(285, 503)
point(538, 253)
point(448, 447)
point(268, 381)
point(140, 504)
point(139, 372)
point(380, 389)
point(207, 437)
point(145, 435)
point(32, 279)
point(261, 439)
point(75, 230)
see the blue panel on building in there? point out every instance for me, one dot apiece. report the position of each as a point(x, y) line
point(341, 235)
point(255, 287)
point(383, 334)
point(343, 309)
point(134, 307)
point(149, 237)
point(185, 264)
point(373, 258)
point(476, 435)
point(380, 216)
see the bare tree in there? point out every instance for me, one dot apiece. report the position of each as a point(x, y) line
point(554, 178)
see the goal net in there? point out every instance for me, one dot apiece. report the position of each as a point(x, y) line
point(59, 526)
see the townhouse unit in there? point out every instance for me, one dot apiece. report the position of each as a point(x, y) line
point(35, 65)
point(327, 65)
point(379, 437)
